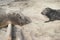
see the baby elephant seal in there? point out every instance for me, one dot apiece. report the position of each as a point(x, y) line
point(52, 14)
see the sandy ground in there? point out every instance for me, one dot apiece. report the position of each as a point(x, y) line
point(37, 29)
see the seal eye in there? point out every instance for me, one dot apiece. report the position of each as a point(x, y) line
point(42, 13)
point(20, 17)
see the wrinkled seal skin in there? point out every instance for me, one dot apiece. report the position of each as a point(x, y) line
point(52, 14)
point(14, 18)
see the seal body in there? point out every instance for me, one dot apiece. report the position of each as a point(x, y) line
point(52, 14)
point(14, 18)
